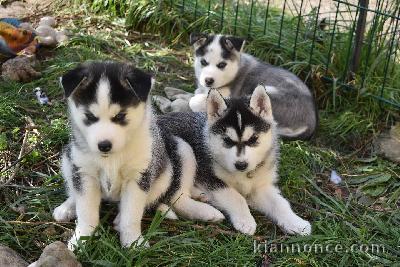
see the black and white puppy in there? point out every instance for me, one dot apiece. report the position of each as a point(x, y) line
point(221, 64)
point(118, 152)
point(235, 145)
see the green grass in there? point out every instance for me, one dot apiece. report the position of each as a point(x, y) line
point(362, 211)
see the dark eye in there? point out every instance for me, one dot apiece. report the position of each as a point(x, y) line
point(119, 117)
point(252, 141)
point(221, 65)
point(204, 62)
point(90, 117)
point(229, 142)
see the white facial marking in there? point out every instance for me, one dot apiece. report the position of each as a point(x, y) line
point(239, 120)
point(253, 155)
point(104, 129)
point(213, 56)
point(247, 133)
point(231, 133)
point(103, 93)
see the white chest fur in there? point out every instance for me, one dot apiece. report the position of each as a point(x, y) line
point(114, 170)
point(244, 184)
point(111, 178)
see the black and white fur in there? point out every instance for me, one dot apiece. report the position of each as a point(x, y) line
point(221, 64)
point(235, 145)
point(118, 152)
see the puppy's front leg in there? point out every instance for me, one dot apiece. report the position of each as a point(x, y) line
point(269, 201)
point(87, 200)
point(198, 103)
point(235, 205)
point(133, 203)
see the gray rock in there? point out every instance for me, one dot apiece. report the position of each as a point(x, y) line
point(20, 69)
point(185, 97)
point(163, 103)
point(171, 92)
point(9, 257)
point(180, 105)
point(56, 254)
point(388, 144)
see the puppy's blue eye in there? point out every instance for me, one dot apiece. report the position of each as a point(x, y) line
point(119, 117)
point(229, 142)
point(204, 62)
point(90, 117)
point(221, 65)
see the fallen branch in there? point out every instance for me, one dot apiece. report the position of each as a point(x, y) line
point(38, 223)
point(30, 125)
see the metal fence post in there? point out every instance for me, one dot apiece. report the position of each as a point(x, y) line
point(359, 39)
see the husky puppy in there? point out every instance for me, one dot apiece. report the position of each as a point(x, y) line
point(221, 64)
point(235, 145)
point(118, 152)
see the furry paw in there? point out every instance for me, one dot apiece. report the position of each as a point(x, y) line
point(116, 222)
point(64, 213)
point(79, 232)
point(297, 226)
point(167, 211)
point(128, 238)
point(213, 215)
point(198, 103)
point(246, 225)
point(73, 242)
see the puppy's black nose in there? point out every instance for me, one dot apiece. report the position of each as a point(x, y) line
point(104, 146)
point(241, 165)
point(209, 81)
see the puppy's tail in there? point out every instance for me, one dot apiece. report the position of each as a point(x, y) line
point(290, 134)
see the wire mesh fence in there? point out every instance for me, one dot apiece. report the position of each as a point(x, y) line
point(334, 44)
point(353, 44)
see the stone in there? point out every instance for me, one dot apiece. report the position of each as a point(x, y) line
point(180, 105)
point(388, 144)
point(170, 92)
point(162, 103)
point(20, 69)
point(56, 254)
point(9, 257)
point(49, 21)
point(185, 97)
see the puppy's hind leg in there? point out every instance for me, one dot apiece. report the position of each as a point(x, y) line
point(66, 211)
point(269, 201)
point(182, 203)
point(195, 210)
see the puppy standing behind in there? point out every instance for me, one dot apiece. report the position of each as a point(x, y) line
point(117, 152)
point(236, 149)
point(221, 64)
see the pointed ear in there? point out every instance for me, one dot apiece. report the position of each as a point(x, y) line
point(216, 105)
point(138, 81)
point(74, 79)
point(197, 39)
point(234, 43)
point(260, 103)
